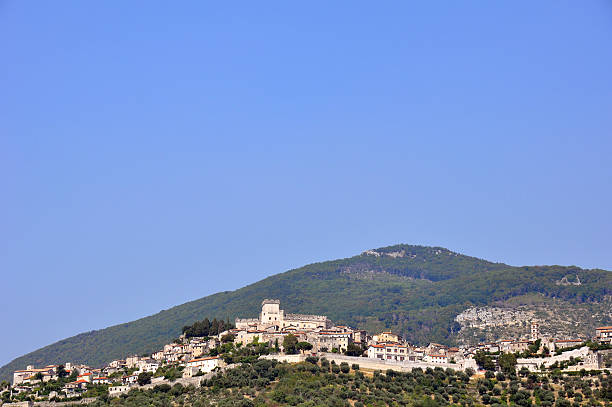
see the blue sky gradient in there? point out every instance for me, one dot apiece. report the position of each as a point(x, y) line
point(152, 152)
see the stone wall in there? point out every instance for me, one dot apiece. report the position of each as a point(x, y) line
point(285, 358)
point(374, 364)
point(64, 403)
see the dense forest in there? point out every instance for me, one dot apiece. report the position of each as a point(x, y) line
point(414, 290)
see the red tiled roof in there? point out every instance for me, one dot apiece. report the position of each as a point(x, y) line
point(201, 359)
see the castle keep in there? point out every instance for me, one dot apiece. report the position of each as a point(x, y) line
point(272, 316)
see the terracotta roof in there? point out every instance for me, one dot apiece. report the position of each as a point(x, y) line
point(604, 327)
point(201, 359)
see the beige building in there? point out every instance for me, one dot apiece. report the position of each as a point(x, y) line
point(385, 337)
point(131, 361)
point(203, 365)
point(327, 341)
point(272, 316)
point(28, 374)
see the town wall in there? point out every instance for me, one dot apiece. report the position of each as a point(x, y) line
point(373, 364)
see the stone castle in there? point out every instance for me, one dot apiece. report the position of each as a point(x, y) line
point(272, 317)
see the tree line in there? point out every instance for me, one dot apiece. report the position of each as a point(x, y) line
point(207, 328)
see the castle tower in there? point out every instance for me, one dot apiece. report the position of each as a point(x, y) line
point(535, 331)
point(271, 314)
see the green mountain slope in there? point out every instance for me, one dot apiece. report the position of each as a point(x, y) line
point(414, 290)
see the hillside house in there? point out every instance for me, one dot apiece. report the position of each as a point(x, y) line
point(331, 340)
point(202, 365)
point(386, 337)
point(101, 380)
point(604, 334)
point(27, 375)
point(389, 351)
point(73, 388)
point(131, 379)
point(436, 358)
point(85, 376)
point(114, 391)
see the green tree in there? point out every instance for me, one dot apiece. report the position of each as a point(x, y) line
point(144, 378)
point(228, 338)
point(507, 362)
point(303, 346)
point(61, 371)
point(290, 344)
point(353, 350)
point(484, 361)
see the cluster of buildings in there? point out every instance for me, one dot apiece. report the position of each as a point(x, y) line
point(602, 334)
point(272, 326)
point(387, 346)
point(24, 379)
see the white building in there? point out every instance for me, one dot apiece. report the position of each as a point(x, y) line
point(203, 365)
point(118, 390)
point(604, 334)
point(389, 351)
point(435, 358)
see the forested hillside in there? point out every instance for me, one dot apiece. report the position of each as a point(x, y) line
point(414, 290)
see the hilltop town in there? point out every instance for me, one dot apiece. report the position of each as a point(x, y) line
point(206, 348)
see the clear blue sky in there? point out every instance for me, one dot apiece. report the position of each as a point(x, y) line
point(156, 152)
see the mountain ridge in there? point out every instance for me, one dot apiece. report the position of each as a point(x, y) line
point(415, 290)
